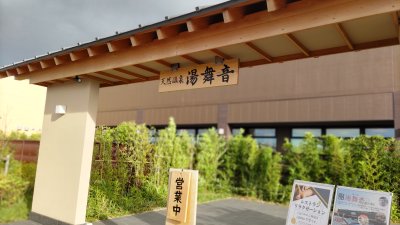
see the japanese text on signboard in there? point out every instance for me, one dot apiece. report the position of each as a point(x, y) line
point(200, 76)
point(178, 195)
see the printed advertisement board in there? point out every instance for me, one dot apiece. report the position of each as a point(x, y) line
point(361, 207)
point(310, 203)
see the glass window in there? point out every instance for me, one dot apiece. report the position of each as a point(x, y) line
point(263, 132)
point(384, 132)
point(343, 132)
point(236, 131)
point(296, 141)
point(266, 141)
point(301, 132)
point(191, 132)
point(202, 131)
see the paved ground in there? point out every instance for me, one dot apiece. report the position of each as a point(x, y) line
point(225, 212)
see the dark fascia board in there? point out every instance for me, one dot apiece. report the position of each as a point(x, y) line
point(129, 33)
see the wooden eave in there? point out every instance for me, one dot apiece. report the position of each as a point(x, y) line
point(241, 29)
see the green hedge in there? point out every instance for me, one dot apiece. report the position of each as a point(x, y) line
point(130, 169)
point(132, 173)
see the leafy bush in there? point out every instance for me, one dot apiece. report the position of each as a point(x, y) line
point(210, 150)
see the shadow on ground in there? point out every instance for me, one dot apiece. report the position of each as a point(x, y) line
point(225, 212)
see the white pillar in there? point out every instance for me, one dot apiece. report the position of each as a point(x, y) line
point(65, 154)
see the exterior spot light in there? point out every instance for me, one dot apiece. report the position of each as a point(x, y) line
point(60, 109)
point(219, 60)
point(78, 79)
point(175, 66)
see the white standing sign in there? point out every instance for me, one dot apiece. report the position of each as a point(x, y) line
point(361, 207)
point(310, 203)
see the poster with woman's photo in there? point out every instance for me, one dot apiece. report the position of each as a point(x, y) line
point(361, 207)
point(310, 203)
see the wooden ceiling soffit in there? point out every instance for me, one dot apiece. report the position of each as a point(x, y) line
point(191, 59)
point(164, 63)
point(255, 26)
point(148, 69)
point(99, 79)
point(344, 35)
point(127, 72)
point(221, 54)
point(259, 51)
point(113, 76)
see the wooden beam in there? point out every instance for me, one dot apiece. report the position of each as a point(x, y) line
point(191, 59)
point(127, 72)
point(98, 50)
point(221, 54)
point(298, 44)
point(259, 51)
point(197, 24)
point(101, 80)
point(395, 17)
point(34, 66)
point(233, 14)
point(11, 72)
point(78, 55)
point(167, 32)
point(22, 70)
point(148, 69)
point(58, 60)
point(273, 5)
point(299, 16)
point(113, 76)
point(163, 62)
point(143, 38)
point(119, 45)
point(46, 63)
point(344, 35)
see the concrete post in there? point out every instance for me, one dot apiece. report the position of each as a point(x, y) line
point(65, 154)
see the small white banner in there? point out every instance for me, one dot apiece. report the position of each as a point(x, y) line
point(310, 203)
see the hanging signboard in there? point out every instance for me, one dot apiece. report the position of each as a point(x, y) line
point(310, 203)
point(361, 207)
point(182, 197)
point(200, 76)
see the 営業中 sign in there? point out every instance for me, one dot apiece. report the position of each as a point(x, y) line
point(360, 206)
point(200, 76)
point(310, 203)
point(182, 197)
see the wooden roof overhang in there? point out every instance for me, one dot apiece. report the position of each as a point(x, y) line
point(255, 31)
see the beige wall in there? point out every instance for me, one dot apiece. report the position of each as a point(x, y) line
point(21, 105)
point(342, 87)
point(65, 154)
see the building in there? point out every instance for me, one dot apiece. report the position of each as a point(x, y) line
point(345, 94)
point(21, 106)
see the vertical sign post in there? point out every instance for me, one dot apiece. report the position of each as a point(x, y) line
point(182, 197)
point(310, 203)
point(360, 206)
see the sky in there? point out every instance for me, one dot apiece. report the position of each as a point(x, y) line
point(29, 28)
